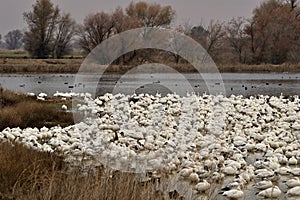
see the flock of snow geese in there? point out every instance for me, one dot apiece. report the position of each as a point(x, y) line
point(221, 147)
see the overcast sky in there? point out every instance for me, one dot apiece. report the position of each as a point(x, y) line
point(194, 11)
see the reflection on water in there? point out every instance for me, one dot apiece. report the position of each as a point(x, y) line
point(235, 83)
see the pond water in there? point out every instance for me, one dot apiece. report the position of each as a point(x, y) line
point(245, 84)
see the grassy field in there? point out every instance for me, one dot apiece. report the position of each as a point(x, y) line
point(262, 68)
point(19, 53)
point(15, 54)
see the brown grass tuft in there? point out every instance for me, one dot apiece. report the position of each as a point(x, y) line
point(29, 174)
point(18, 110)
point(73, 65)
point(20, 166)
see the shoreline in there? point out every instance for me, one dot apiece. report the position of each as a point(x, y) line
point(71, 66)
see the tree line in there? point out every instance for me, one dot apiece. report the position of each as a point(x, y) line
point(271, 35)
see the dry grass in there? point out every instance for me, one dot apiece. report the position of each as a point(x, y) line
point(33, 114)
point(19, 53)
point(39, 65)
point(18, 163)
point(262, 68)
point(18, 110)
point(28, 174)
point(73, 65)
point(9, 98)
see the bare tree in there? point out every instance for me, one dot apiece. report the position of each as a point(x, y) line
point(273, 32)
point(185, 28)
point(13, 39)
point(215, 34)
point(1, 43)
point(211, 38)
point(119, 20)
point(63, 36)
point(148, 15)
point(260, 38)
point(236, 37)
point(94, 30)
point(42, 21)
point(151, 15)
point(122, 22)
point(200, 34)
point(98, 27)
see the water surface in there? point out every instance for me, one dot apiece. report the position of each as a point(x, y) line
point(245, 84)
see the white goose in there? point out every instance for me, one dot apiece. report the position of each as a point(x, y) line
point(262, 185)
point(64, 107)
point(295, 171)
point(272, 192)
point(293, 182)
point(293, 161)
point(202, 186)
point(295, 191)
point(193, 177)
point(234, 194)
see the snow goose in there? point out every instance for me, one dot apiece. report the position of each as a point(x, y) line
point(234, 194)
point(64, 107)
point(16, 132)
point(230, 170)
point(230, 186)
point(293, 161)
point(293, 182)
point(186, 172)
point(295, 171)
point(31, 94)
point(272, 192)
point(295, 191)
point(263, 173)
point(8, 134)
point(283, 170)
point(43, 95)
point(217, 177)
point(283, 160)
point(193, 177)
point(264, 184)
point(202, 186)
